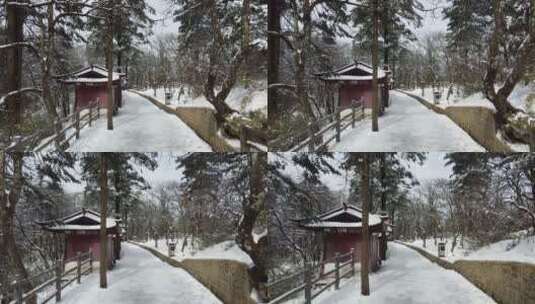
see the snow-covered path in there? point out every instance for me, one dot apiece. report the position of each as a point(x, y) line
point(139, 127)
point(408, 278)
point(140, 277)
point(407, 126)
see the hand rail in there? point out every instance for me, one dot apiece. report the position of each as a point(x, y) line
point(57, 279)
point(76, 122)
point(312, 279)
point(311, 135)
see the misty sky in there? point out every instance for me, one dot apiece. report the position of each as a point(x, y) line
point(434, 167)
point(433, 21)
point(165, 172)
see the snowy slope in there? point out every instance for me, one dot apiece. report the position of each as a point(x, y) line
point(522, 250)
point(518, 98)
point(241, 99)
point(140, 277)
point(227, 250)
point(407, 126)
point(408, 278)
point(139, 127)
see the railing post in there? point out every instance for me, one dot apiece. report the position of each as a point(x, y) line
point(243, 139)
point(90, 115)
point(362, 109)
point(90, 261)
point(308, 284)
point(353, 116)
point(18, 290)
point(312, 136)
point(352, 261)
point(77, 124)
point(58, 280)
point(98, 110)
point(531, 130)
point(337, 270)
point(79, 267)
point(338, 125)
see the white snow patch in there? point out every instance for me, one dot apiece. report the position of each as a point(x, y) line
point(512, 250)
point(408, 278)
point(241, 99)
point(407, 126)
point(139, 127)
point(140, 277)
point(518, 98)
point(227, 250)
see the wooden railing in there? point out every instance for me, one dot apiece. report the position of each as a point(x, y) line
point(314, 280)
point(311, 137)
point(54, 276)
point(75, 121)
point(532, 136)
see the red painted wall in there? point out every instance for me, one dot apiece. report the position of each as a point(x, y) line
point(354, 90)
point(83, 242)
point(343, 242)
point(85, 94)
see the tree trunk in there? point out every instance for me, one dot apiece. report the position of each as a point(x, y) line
point(8, 203)
point(48, 50)
point(274, 52)
point(300, 57)
point(15, 33)
point(109, 61)
point(365, 250)
point(375, 63)
point(253, 207)
point(103, 218)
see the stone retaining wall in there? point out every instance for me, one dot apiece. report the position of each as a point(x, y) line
point(201, 120)
point(505, 282)
point(478, 122)
point(226, 279)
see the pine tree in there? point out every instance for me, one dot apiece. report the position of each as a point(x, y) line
point(394, 18)
point(220, 36)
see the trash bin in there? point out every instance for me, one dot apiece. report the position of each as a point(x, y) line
point(436, 96)
point(168, 96)
point(441, 249)
point(172, 247)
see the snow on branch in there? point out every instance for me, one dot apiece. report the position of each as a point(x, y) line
point(21, 91)
point(20, 44)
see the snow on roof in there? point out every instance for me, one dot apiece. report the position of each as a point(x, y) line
point(103, 72)
point(324, 220)
point(110, 223)
point(89, 80)
point(374, 220)
point(64, 223)
point(347, 77)
point(338, 74)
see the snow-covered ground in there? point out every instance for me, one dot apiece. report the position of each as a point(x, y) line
point(140, 126)
point(140, 277)
point(516, 250)
point(408, 278)
point(227, 250)
point(242, 99)
point(407, 126)
point(519, 98)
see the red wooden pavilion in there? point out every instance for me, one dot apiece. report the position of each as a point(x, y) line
point(91, 86)
point(82, 233)
point(341, 230)
point(354, 84)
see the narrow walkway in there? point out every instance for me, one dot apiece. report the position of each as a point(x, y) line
point(407, 126)
point(408, 278)
point(139, 127)
point(140, 277)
